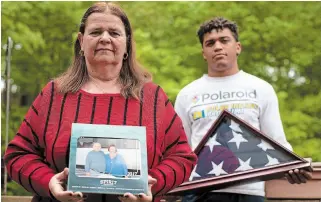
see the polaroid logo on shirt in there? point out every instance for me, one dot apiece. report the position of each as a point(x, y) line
point(224, 95)
point(195, 99)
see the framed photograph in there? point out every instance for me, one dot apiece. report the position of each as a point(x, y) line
point(108, 159)
point(232, 152)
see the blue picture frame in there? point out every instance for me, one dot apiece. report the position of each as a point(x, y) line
point(135, 181)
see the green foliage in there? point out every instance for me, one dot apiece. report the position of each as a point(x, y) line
point(14, 189)
point(277, 38)
point(302, 123)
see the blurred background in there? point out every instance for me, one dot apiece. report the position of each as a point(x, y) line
point(281, 44)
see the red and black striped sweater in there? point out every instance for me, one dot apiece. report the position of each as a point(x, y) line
point(40, 149)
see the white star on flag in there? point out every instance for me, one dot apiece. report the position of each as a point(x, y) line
point(217, 169)
point(212, 142)
point(265, 146)
point(244, 165)
point(238, 138)
point(235, 126)
point(194, 174)
point(272, 161)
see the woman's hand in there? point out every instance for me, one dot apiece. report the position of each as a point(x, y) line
point(57, 188)
point(128, 197)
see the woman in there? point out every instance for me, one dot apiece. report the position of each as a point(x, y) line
point(104, 85)
point(115, 163)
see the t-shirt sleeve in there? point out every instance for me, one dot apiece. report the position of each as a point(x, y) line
point(270, 119)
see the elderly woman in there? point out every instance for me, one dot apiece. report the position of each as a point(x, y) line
point(115, 163)
point(104, 85)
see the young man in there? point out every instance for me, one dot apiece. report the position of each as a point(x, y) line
point(226, 87)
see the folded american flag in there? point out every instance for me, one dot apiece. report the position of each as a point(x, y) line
point(234, 148)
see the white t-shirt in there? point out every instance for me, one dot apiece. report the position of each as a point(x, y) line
point(250, 98)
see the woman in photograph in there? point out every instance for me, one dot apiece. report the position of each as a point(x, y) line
point(115, 163)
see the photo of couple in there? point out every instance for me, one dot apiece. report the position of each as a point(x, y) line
point(106, 162)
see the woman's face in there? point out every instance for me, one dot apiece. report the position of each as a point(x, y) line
point(104, 40)
point(112, 150)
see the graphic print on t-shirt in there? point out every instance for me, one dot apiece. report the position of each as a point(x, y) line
point(237, 101)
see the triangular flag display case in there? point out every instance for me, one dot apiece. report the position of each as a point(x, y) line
point(234, 152)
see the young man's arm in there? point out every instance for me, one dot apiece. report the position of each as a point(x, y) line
point(270, 119)
point(271, 125)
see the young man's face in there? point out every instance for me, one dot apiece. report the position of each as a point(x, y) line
point(220, 50)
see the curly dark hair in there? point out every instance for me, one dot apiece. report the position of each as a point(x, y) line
point(217, 23)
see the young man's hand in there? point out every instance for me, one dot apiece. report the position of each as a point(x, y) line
point(298, 176)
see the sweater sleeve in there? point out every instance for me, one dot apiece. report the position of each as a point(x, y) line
point(178, 158)
point(270, 119)
point(24, 157)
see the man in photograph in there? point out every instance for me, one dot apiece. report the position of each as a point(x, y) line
point(95, 161)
